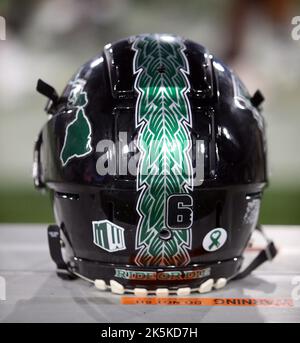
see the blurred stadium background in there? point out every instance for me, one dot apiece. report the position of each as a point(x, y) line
point(51, 39)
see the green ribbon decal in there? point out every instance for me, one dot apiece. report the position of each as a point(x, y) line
point(215, 239)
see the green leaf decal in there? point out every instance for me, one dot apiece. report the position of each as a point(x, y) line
point(163, 116)
point(77, 141)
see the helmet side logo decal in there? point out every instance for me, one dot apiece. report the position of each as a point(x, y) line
point(163, 117)
point(108, 236)
point(77, 142)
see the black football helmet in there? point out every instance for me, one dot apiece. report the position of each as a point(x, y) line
point(155, 159)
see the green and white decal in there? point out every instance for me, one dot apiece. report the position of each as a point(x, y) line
point(163, 117)
point(77, 142)
point(108, 236)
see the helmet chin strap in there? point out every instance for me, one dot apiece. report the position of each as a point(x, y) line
point(54, 241)
point(266, 254)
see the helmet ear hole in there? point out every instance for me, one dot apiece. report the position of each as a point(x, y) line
point(165, 234)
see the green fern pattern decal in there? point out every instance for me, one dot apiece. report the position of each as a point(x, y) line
point(163, 117)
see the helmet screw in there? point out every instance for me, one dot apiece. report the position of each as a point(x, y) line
point(165, 234)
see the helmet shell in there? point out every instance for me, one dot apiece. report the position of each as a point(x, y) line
point(99, 103)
